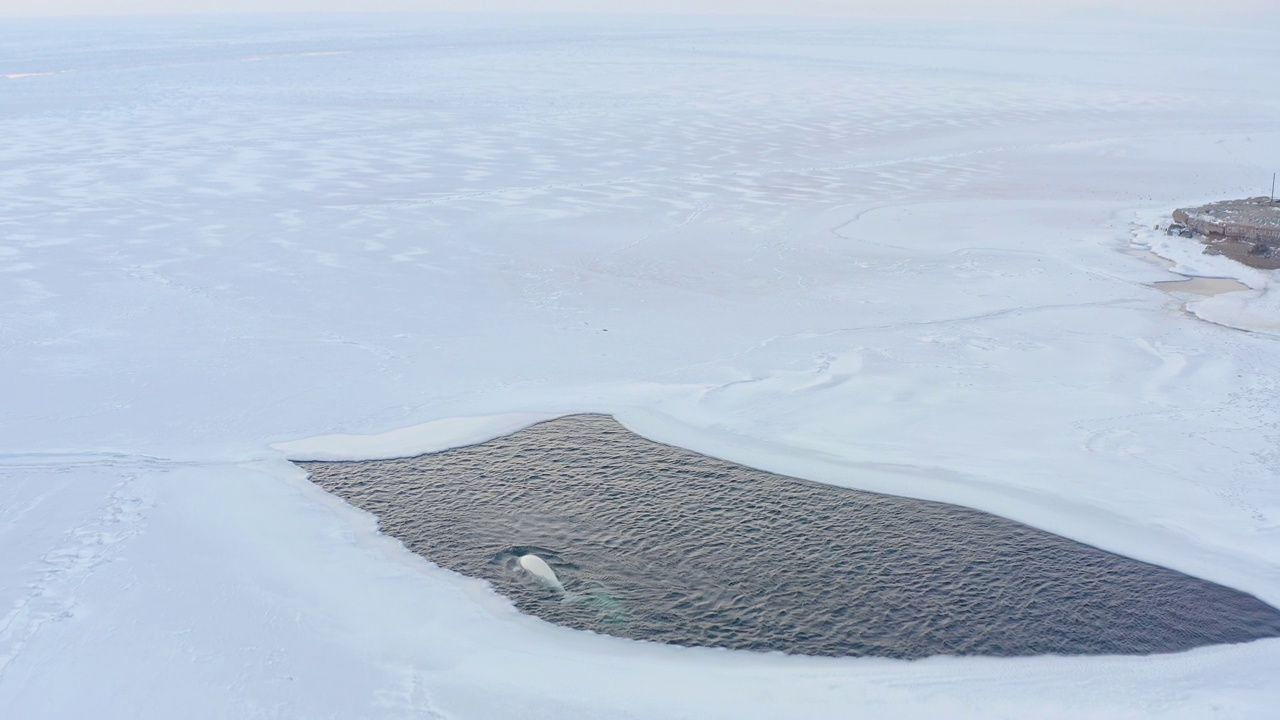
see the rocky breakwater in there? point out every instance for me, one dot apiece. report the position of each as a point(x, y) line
point(1247, 231)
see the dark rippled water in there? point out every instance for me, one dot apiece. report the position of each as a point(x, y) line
point(658, 543)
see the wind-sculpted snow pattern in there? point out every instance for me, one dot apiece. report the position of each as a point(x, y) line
point(898, 256)
point(658, 543)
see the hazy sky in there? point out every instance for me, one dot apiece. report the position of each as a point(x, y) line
point(799, 7)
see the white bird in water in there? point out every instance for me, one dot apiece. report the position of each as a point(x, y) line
point(539, 568)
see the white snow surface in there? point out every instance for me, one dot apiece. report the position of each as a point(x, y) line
point(892, 255)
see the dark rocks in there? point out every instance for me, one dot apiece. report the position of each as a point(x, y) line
point(1247, 231)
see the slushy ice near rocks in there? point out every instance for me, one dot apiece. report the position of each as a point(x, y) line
point(583, 523)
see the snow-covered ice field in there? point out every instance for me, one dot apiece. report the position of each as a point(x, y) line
point(903, 256)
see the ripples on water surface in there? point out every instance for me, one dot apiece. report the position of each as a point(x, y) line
point(658, 543)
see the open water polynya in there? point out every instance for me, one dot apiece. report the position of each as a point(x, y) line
point(658, 543)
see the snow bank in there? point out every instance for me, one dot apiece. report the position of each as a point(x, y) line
point(406, 442)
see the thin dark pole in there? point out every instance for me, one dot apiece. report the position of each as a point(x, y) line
point(1273, 187)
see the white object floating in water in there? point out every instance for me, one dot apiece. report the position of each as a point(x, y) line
point(539, 568)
